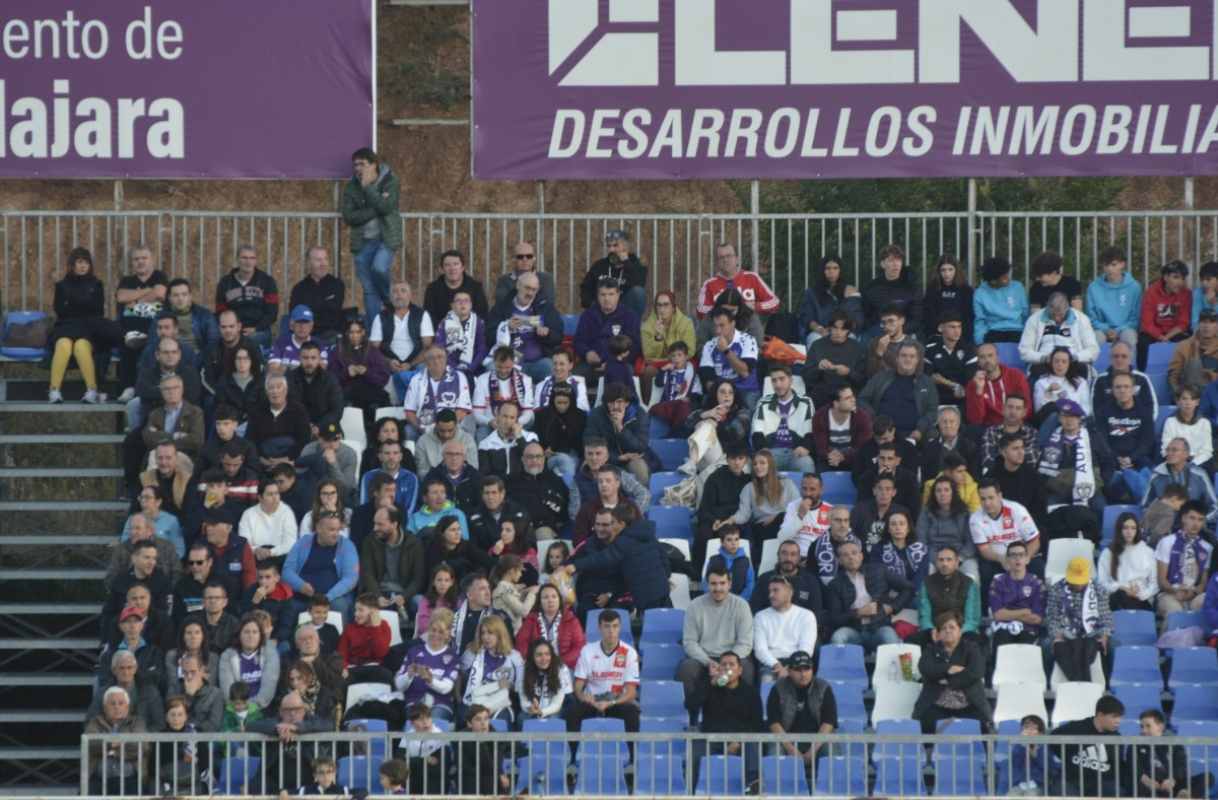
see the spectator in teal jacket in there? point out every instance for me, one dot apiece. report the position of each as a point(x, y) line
point(323, 563)
point(949, 589)
point(1114, 301)
point(1000, 305)
point(436, 506)
point(1205, 296)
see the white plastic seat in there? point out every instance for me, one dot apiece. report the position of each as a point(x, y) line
point(1075, 700)
point(355, 447)
point(679, 591)
point(335, 618)
point(395, 629)
point(1019, 663)
point(1097, 673)
point(895, 700)
point(680, 544)
point(887, 656)
point(1061, 551)
point(353, 426)
point(397, 412)
point(769, 556)
point(1018, 700)
point(365, 691)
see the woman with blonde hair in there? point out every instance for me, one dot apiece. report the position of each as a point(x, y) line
point(491, 667)
point(763, 501)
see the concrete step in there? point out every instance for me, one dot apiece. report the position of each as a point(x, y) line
point(45, 679)
point(53, 473)
point(42, 717)
point(61, 408)
point(60, 438)
point(119, 506)
point(59, 540)
point(50, 644)
point(39, 754)
point(53, 574)
point(49, 609)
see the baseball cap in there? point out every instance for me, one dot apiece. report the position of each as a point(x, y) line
point(799, 660)
point(213, 516)
point(129, 612)
point(1070, 408)
point(616, 234)
point(330, 432)
point(302, 313)
point(1078, 571)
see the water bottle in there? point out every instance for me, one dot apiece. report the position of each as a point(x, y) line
point(894, 672)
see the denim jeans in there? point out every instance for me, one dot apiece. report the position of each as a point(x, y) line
point(565, 465)
point(401, 382)
point(635, 299)
point(786, 461)
point(869, 638)
point(537, 370)
point(372, 264)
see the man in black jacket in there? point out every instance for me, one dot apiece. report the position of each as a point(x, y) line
point(720, 497)
point(279, 427)
point(251, 293)
point(628, 552)
point(530, 325)
point(864, 618)
point(1090, 770)
point(805, 582)
point(1018, 479)
point(541, 492)
point(464, 483)
point(438, 298)
point(322, 293)
point(729, 705)
point(316, 388)
point(905, 479)
point(493, 509)
point(619, 265)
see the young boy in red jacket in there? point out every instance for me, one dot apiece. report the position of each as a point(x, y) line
point(1167, 309)
point(365, 643)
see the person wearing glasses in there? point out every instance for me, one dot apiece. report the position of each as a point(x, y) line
point(662, 328)
point(528, 322)
point(524, 261)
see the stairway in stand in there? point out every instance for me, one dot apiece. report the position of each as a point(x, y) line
point(60, 513)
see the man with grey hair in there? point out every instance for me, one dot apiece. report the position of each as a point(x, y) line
point(1057, 325)
point(322, 293)
point(290, 763)
point(1178, 468)
point(905, 394)
point(113, 766)
point(251, 293)
point(143, 696)
point(278, 427)
point(528, 323)
point(1121, 362)
point(946, 438)
point(141, 294)
point(142, 530)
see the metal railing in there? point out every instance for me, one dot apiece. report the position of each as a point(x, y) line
point(678, 248)
point(654, 764)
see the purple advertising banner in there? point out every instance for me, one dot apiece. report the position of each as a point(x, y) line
point(844, 88)
point(185, 89)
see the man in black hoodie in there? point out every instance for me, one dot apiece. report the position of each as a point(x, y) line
point(252, 294)
point(622, 266)
point(894, 287)
point(1090, 770)
point(720, 497)
point(729, 705)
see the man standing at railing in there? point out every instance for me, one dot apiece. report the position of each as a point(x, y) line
point(370, 207)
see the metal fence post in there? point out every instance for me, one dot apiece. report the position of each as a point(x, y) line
point(972, 232)
point(755, 215)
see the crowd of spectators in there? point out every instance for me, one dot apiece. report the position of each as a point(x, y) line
point(267, 565)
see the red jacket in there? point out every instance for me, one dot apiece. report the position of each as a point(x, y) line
point(364, 644)
point(986, 408)
point(1162, 311)
point(570, 636)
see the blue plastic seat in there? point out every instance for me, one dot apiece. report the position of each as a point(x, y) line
point(1164, 413)
point(663, 699)
point(239, 776)
point(1008, 355)
point(961, 776)
point(1185, 619)
point(897, 727)
point(542, 773)
point(721, 776)
point(1108, 524)
point(21, 353)
point(837, 488)
point(1139, 697)
point(661, 481)
point(1134, 628)
point(1158, 382)
point(843, 664)
point(900, 776)
point(593, 632)
point(1137, 664)
point(671, 452)
point(783, 775)
point(1193, 665)
point(359, 772)
point(841, 775)
point(960, 727)
point(672, 747)
point(672, 522)
point(658, 775)
point(600, 777)
point(849, 697)
point(371, 725)
point(1104, 359)
point(659, 661)
point(1195, 701)
point(613, 749)
point(1159, 356)
point(569, 323)
point(550, 747)
point(663, 624)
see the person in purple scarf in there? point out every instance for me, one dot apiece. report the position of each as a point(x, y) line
point(1184, 563)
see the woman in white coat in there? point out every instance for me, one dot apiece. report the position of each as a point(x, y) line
point(1127, 568)
point(269, 525)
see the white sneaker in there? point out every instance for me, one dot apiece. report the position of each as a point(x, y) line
point(127, 394)
point(92, 397)
point(55, 396)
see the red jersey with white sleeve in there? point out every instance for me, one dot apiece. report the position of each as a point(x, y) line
point(1014, 524)
point(751, 287)
point(607, 673)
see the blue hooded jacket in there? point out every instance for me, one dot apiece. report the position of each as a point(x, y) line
point(1114, 308)
point(1200, 305)
point(1004, 309)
